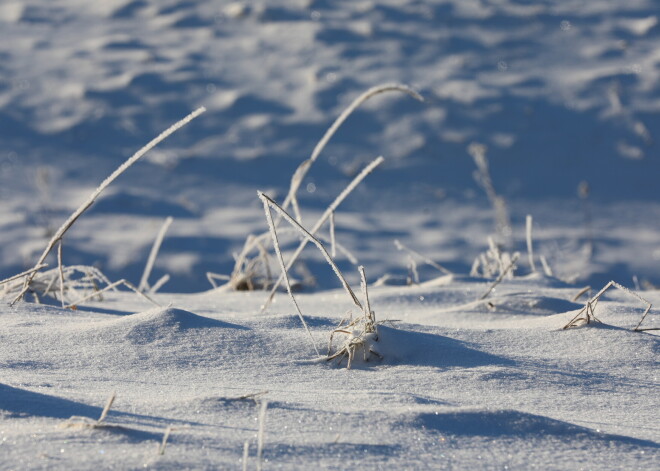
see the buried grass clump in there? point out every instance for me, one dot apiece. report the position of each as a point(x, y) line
point(361, 333)
point(587, 314)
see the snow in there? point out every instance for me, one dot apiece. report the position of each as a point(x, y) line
point(564, 95)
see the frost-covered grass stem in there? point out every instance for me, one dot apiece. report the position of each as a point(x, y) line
point(144, 281)
point(302, 170)
point(327, 214)
point(95, 194)
point(271, 226)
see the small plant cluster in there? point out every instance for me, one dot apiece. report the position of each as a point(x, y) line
point(361, 334)
point(32, 283)
point(494, 262)
point(251, 268)
point(587, 315)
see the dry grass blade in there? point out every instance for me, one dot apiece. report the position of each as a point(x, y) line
point(249, 273)
point(426, 260)
point(579, 294)
point(260, 435)
point(252, 396)
point(144, 281)
point(269, 218)
point(108, 405)
point(546, 267)
point(163, 444)
point(482, 175)
point(365, 294)
point(159, 284)
point(530, 248)
point(95, 194)
point(50, 282)
point(327, 214)
point(302, 170)
point(246, 453)
point(212, 277)
point(61, 271)
point(269, 202)
point(85, 422)
point(111, 286)
point(333, 245)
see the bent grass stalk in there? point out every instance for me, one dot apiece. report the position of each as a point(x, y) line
point(269, 202)
point(587, 315)
point(327, 214)
point(85, 422)
point(96, 193)
point(361, 333)
point(304, 167)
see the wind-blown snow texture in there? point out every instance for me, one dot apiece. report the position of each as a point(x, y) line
point(565, 96)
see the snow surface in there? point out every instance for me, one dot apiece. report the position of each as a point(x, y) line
point(565, 96)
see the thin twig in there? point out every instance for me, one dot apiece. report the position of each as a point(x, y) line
point(546, 267)
point(246, 452)
point(253, 396)
point(365, 294)
point(589, 308)
point(333, 245)
point(580, 293)
point(108, 288)
point(159, 284)
point(107, 407)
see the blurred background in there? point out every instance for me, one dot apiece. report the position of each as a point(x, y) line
point(562, 96)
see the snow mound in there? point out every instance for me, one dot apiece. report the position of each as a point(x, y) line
point(161, 323)
point(499, 423)
point(405, 347)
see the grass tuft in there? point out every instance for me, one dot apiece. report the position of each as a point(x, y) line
point(587, 314)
